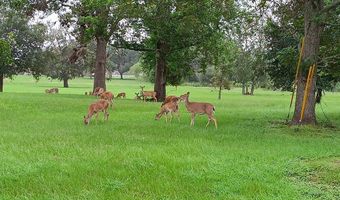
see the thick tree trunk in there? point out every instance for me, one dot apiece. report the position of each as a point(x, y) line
point(99, 74)
point(121, 75)
point(65, 82)
point(1, 82)
point(160, 74)
point(247, 90)
point(243, 88)
point(311, 49)
point(220, 92)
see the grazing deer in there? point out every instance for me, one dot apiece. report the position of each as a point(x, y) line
point(52, 91)
point(99, 106)
point(168, 108)
point(121, 95)
point(146, 94)
point(199, 108)
point(107, 96)
point(98, 91)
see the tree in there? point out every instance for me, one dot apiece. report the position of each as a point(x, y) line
point(224, 59)
point(60, 47)
point(176, 26)
point(123, 59)
point(6, 61)
point(313, 17)
point(26, 41)
point(100, 20)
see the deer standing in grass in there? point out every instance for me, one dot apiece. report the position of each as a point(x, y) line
point(170, 107)
point(94, 109)
point(148, 94)
point(199, 108)
point(107, 96)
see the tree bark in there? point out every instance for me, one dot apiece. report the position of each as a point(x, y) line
point(220, 92)
point(65, 82)
point(99, 74)
point(1, 82)
point(311, 49)
point(252, 88)
point(243, 88)
point(160, 74)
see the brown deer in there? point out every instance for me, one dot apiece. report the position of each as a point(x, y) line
point(107, 96)
point(121, 95)
point(94, 109)
point(146, 94)
point(168, 108)
point(199, 108)
point(52, 91)
point(98, 91)
point(170, 99)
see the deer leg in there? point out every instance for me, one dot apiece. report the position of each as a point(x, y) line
point(192, 119)
point(171, 115)
point(97, 114)
point(208, 122)
point(215, 122)
point(178, 116)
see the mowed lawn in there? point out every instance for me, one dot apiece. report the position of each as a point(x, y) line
point(46, 152)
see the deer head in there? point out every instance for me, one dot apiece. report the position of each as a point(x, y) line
point(184, 97)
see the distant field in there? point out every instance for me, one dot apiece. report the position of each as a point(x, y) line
point(46, 152)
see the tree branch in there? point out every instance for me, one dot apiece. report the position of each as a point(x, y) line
point(326, 9)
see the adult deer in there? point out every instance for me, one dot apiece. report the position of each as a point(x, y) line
point(199, 108)
point(171, 108)
point(107, 96)
point(121, 95)
point(146, 94)
point(94, 109)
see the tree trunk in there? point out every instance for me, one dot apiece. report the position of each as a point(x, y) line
point(247, 90)
point(160, 74)
point(243, 88)
point(252, 88)
point(311, 49)
point(219, 92)
point(65, 82)
point(99, 74)
point(121, 75)
point(1, 82)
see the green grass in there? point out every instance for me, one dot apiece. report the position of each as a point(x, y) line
point(46, 152)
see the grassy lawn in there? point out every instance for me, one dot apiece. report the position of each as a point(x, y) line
point(46, 152)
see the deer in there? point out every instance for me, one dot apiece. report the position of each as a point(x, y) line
point(146, 94)
point(121, 95)
point(94, 109)
point(52, 91)
point(171, 108)
point(107, 96)
point(199, 108)
point(98, 91)
point(170, 99)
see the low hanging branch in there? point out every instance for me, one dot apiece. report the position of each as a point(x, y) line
point(78, 52)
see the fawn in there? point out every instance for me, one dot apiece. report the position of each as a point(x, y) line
point(99, 106)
